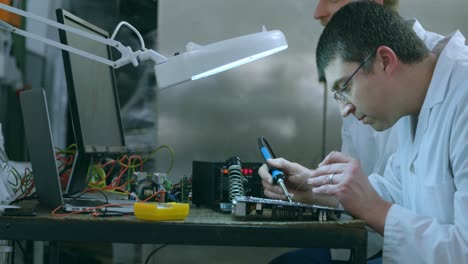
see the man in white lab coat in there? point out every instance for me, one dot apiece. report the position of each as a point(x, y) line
point(383, 74)
point(372, 148)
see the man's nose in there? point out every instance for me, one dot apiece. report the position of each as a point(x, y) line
point(346, 109)
point(321, 11)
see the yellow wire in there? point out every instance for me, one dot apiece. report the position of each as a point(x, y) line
point(70, 150)
point(97, 177)
point(159, 148)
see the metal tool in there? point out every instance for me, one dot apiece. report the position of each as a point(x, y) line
point(276, 174)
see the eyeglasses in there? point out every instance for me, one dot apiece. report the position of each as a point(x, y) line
point(338, 93)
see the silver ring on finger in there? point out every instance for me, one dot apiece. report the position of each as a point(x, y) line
point(330, 178)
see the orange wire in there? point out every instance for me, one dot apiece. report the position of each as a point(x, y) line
point(139, 158)
point(87, 210)
point(154, 195)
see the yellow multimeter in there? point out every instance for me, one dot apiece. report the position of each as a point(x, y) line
point(161, 211)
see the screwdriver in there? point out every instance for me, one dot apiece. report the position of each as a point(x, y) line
point(276, 174)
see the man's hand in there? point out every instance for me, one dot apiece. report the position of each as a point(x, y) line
point(296, 177)
point(343, 178)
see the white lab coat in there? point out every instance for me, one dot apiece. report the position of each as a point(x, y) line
point(427, 178)
point(370, 147)
point(373, 148)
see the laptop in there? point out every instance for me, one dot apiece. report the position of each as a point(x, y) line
point(43, 161)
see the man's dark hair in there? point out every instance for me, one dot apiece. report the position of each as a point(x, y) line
point(359, 28)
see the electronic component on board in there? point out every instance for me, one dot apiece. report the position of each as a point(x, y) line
point(235, 177)
point(146, 185)
point(264, 209)
point(211, 184)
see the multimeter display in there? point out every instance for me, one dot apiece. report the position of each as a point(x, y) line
point(210, 182)
point(245, 171)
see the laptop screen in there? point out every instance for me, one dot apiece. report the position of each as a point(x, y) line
point(41, 147)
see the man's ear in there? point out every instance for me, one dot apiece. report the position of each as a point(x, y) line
point(388, 61)
point(379, 1)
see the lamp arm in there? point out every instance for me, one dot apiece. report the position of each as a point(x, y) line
point(127, 54)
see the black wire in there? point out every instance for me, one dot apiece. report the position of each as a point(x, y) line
point(267, 145)
point(30, 197)
point(152, 253)
point(107, 201)
point(67, 167)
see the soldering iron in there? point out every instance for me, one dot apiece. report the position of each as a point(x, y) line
point(276, 174)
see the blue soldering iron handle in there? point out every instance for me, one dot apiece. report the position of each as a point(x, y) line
point(267, 153)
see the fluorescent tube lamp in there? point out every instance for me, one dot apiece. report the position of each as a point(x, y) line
point(238, 63)
point(202, 61)
point(197, 62)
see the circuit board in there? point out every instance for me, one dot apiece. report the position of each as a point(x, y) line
point(268, 209)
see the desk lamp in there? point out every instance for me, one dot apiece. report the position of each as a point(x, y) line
point(197, 62)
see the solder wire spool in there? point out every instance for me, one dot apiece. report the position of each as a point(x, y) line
point(235, 176)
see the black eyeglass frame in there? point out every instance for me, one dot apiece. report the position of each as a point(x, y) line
point(338, 93)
